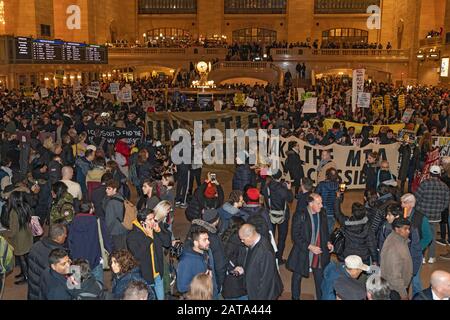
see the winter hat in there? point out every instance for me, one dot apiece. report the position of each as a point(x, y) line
point(210, 215)
point(253, 195)
point(210, 191)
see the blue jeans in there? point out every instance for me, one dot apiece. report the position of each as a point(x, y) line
point(97, 273)
point(331, 223)
point(417, 282)
point(158, 286)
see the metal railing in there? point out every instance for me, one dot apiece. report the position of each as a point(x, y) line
point(171, 51)
point(343, 6)
point(435, 41)
point(240, 65)
point(340, 52)
point(255, 7)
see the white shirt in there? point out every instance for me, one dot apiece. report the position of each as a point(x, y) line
point(435, 297)
point(74, 189)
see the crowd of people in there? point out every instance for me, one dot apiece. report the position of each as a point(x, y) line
point(63, 187)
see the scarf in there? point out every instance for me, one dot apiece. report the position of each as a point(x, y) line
point(314, 235)
point(322, 163)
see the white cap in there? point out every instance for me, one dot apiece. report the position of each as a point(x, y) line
point(435, 170)
point(91, 147)
point(355, 262)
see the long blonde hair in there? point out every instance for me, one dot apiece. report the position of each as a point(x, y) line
point(161, 210)
point(201, 288)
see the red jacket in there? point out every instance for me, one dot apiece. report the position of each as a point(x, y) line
point(123, 149)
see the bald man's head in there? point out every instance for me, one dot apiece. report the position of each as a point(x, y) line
point(248, 234)
point(67, 173)
point(440, 283)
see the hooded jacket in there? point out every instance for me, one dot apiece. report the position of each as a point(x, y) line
point(192, 263)
point(83, 230)
point(294, 167)
point(226, 212)
point(53, 286)
point(121, 282)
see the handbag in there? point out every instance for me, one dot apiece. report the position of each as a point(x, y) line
point(276, 216)
point(337, 239)
point(105, 253)
point(36, 228)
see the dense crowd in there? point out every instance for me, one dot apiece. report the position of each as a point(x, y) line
point(62, 187)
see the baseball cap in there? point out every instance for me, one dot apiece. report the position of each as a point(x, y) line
point(253, 194)
point(91, 147)
point(435, 170)
point(355, 262)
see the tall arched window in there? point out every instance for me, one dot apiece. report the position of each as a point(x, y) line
point(345, 35)
point(254, 35)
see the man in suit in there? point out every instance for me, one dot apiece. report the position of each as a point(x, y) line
point(262, 279)
point(439, 289)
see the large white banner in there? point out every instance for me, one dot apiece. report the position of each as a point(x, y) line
point(349, 159)
point(364, 100)
point(358, 86)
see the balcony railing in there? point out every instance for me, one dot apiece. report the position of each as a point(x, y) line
point(167, 6)
point(428, 42)
point(340, 52)
point(219, 52)
point(241, 65)
point(343, 6)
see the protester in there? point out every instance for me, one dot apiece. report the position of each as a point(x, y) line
point(325, 163)
point(262, 278)
point(113, 206)
point(327, 190)
point(229, 210)
point(62, 210)
point(311, 249)
point(125, 269)
point(396, 261)
point(439, 287)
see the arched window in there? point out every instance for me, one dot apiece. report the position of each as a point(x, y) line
point(168, 33)
point(254, 35)
point(345, 35)
point(167, 6)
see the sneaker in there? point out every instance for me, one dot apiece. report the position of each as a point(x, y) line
point(442, 242)
point(424, 261)
point(445, 256)
point(431, 260)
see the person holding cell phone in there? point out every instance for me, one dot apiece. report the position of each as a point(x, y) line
point(146, 242)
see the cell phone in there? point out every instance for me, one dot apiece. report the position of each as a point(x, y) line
point(213, 177)
point(342, 187)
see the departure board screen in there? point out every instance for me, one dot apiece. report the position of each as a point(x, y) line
point(58, 52)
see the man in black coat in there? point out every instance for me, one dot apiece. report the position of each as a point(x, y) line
point(54, 283)
point(38, 257)
point(370, 169)
point(277, 196)
point(293, 165)
point(311, 250)
point(439, 287)
point(99, 193)
point(262, 279)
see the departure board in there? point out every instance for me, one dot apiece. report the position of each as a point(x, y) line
point(58, 52)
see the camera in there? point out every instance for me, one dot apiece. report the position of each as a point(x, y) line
point(176, 250)
point(213, 177)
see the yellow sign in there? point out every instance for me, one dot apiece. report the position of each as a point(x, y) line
point(377, 105)
point(328, 124)
point(239, 99)
point(28, 92)
point(387, 105)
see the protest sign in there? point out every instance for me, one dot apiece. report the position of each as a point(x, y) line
point(239, 99)
point(407, 115)
point(92, 92)
point(114, 88)
point(364, 100)
point(300, 92)
point(44, 93)
point(126, 95)
point(112, 135)
point(357, 86)
point(310, 106)
point(401, 102)
point(249, 102)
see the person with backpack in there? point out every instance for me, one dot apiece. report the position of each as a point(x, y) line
point(62, 210)
point(6, 262)
point(114, 208)
point(16, 220)
point(38, 257)
point(358, 238)
point(277, 197)
point(208, 196)
point(87, 228)
point(253, 213)
point(6, 174)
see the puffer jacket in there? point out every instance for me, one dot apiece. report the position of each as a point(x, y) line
point(242, 177)
point(327, 190)
point(358, 238)
point(38, 263)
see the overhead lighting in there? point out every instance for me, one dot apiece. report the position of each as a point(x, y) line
point(2, 12)
point(79, 76)
point(72, 77)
